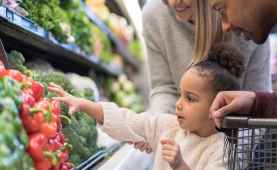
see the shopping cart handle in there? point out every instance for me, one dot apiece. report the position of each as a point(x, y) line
point(246, 121)
point(235, 121)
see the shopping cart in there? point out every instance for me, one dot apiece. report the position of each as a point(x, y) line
point(250, 143)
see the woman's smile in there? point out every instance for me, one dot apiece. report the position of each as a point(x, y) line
point(181, 9)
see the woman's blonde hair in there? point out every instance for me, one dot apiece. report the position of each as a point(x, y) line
point(207, 30)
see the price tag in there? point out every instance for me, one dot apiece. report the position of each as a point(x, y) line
point(17, 19)
point(3, 11)
point(41, 31)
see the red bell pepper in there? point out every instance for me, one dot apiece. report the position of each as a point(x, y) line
point(15, 74)
point(61, 151)
point(56, 110)
point(39, 148)
point(63, 167)
point(43, 165)
point(68, 165)
point(26, 115)
point(62, 154)
point(62, 137)
point(47, 123)
point(27, 98)
point(2, 67)
point(37, 88)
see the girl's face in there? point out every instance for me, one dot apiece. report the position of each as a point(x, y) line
point(183, 9)
point(192, 108)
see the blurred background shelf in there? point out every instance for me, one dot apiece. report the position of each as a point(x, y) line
point(20, 33)
point(120, 48)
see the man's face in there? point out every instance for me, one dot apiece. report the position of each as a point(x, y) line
point(252, 18)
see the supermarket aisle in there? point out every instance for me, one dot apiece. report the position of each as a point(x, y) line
point(128, 158)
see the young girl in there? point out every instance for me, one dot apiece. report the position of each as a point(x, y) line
point(186, 140)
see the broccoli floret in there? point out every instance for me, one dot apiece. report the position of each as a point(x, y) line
point(85, 132)
point(94, 149)
point(16, 61)
point(51, 94)
point(75, 93)
point(78, 114)
point(59, 79)
point(88, 94)
point(74, 159)
point(87, 153)
point(45, 85)
point(73, 139)
point(90, 121)
point(33, 74)
point(71, 135)
point(75, 125)
point(83, 141)
point(64, 111)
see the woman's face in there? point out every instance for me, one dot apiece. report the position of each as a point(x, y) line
point(183, 9)
point(192, 107)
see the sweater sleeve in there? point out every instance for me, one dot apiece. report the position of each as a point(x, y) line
point(265, 106)
point(257, 73)
point(163, 94)
point(124, 125)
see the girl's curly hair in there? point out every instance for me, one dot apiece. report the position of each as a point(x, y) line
point(223, 67)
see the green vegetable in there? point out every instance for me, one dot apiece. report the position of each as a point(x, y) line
point(78, 19)
point(59, 79)
point(16, 61)
point(64, 111)
point(47, 14)
point(135, 49)
point(10, 89)
point(51, 94)
point(27, 162)
point(75, 159)
point(75, 93)
point(33, 74)
point(13, 137)
point(105, 52)
point(88, 94)
point(83, 141)
point(45, 85)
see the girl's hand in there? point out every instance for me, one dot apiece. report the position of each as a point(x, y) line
point(172, 154)
point(72, 102)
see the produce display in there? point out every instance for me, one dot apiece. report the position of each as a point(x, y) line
point(13, 137)
point(68, 22)
point(56, 139)
point(122, 92)
point(36, 131)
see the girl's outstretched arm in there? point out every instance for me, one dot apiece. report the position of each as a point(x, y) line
point(94, 110)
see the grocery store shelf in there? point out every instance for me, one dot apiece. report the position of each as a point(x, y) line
point(120, 48)
point(16, 27)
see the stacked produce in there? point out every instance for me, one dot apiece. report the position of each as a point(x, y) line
point(49, 15)
point(135, 49)
point(13, 137)
point(40, 118)
point(102, 44)
point(81, 134)
point(57, 139)
point(67, 18)
point(122, 92)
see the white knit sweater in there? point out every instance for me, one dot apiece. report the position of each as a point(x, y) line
point(199, 153)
